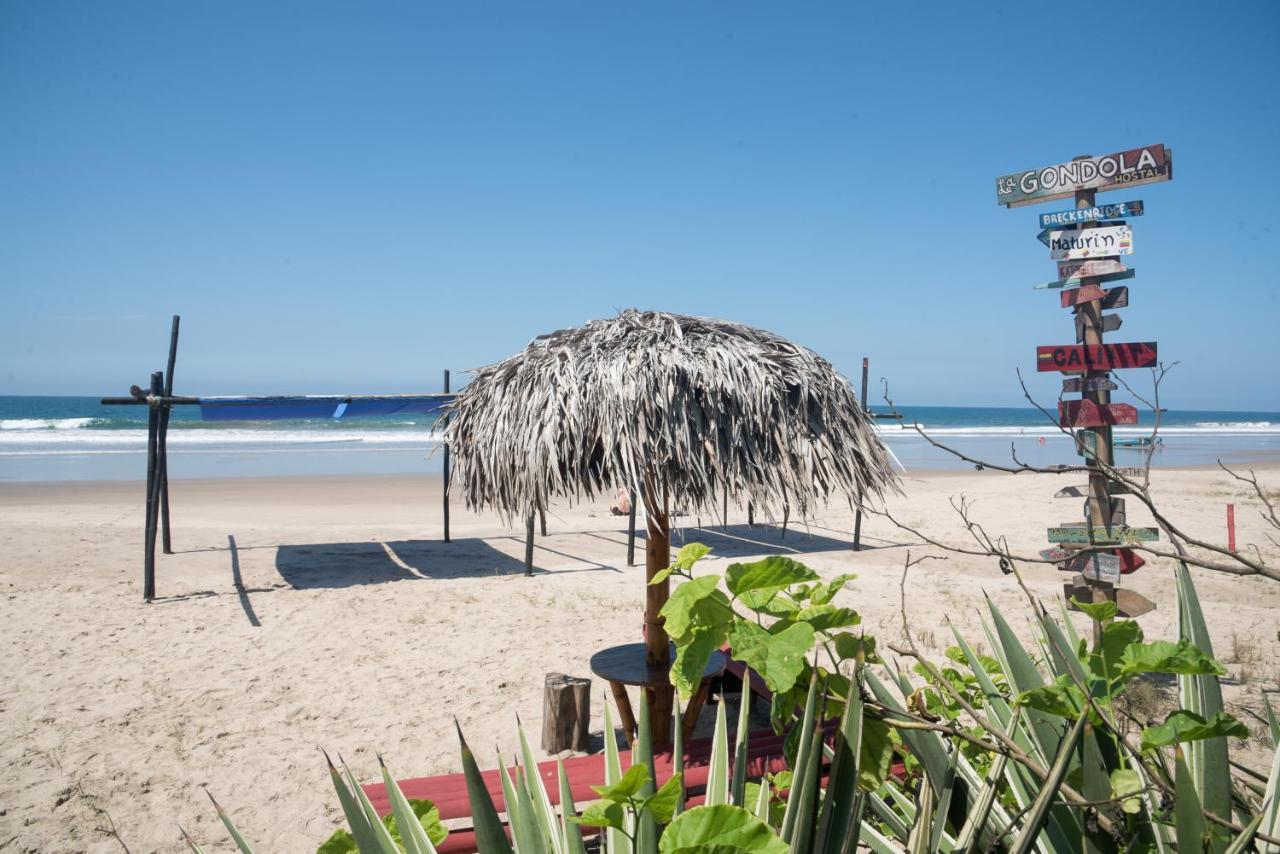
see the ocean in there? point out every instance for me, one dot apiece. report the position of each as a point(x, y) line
point(76, 438)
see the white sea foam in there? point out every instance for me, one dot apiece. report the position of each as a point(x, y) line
point(45, 423)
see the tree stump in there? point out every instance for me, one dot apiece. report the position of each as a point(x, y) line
point(566, 713)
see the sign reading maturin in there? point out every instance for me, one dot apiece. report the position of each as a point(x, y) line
point(1145, 165)
point(1069, 244)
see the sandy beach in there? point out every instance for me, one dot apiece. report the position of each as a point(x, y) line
point(325, 612)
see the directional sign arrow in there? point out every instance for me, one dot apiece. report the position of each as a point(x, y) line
point(1102, 536)
point(1111, 298)
point(1074, 281)
point(1086, 413)
point(1120, 210)
point(1089, 267)
point(1075, 384)
point(1056, 554)
point(1057, 233)
point(1130, 604)
point(1110, 323)
point(1095, 566)
point(1113, 488)
point(1079, 358)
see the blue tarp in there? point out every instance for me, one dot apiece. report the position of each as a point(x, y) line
point(318, 406)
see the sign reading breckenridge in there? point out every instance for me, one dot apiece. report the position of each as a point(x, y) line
point(1146, 165)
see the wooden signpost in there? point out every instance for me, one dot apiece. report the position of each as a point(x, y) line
point(1098, 242)
point(1076, 358)
point(1088, 243)
point(1110, 298)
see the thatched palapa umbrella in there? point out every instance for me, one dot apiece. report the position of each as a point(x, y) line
point(682, 409)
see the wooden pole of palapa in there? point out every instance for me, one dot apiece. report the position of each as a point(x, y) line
point(446, 470)
point(153, 489)
point(657, 644)
point(631, 528)
point(162, 447)
point(1090, 333)
point(857, 517)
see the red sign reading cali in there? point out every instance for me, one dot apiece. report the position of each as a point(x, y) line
point(1077, 358)
point(1086, 413)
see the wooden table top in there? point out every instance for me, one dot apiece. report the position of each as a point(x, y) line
point(626, 664)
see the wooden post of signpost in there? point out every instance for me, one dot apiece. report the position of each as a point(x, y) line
point(445, 490)
point(1089, 332)
point(657, 645)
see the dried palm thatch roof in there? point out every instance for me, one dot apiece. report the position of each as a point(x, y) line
point(698, 405)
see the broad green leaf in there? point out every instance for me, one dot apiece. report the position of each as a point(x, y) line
point(661, 576)
point(628, 787)
point(689, 555)
point(696, 603)
point(663, 803)
point(821, 594)
point(1060, 698)
point(857, 647)
point(604, 813)
point(692, 654)
point(779, 659)
point(341, 842)
point(769, 574)
point(1182, 658)
point(1100, 611)
point(875, 753)
point(1182, 725)
point(723, 828)
point(824, 618)
point(1126, 785)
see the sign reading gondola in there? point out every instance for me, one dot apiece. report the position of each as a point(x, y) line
point(1111, 297)
point(1100, 534)
point(1145, 165)
point(1078, 358)
point(1120, 210)
point(1086, 413)
point(1077, 244)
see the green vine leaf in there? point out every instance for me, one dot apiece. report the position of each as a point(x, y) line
point(696, 604)
point(778, 658)
point(1182, 658)
point(766, 576)
point(1182, 726)
point(721, 828)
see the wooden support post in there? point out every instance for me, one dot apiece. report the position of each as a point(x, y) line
point(166, 539)
point(657, 644)
point(447, 472)
point(542, 520)
point(1090, 329)
point(751, 515)
point(857, 516)
point(724, 514)
point(786, 517)
point(1231, 527)
point(631, 529)
point(153, 484)
point(528, 545)
point(566, 713)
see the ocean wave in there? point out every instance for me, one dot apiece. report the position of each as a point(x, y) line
point(45, 423)
point(83, 441)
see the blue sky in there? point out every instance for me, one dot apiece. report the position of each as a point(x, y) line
point(351, 197)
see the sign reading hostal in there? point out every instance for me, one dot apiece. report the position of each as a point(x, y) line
point(1145, 165)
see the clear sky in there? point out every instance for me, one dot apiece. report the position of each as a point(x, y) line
point(350, 197)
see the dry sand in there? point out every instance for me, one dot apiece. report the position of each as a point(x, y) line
point(357, 630)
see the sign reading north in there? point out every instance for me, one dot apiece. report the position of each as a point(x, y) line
point(1077, 358)
point(1145, 165)
point(1093, 214)
point(1078, 244)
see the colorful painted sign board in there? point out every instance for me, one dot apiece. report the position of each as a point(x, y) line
point(1078, 244)
point(1146, 165)
point(1129, 472)
point(1119, 210)
point(1087, 268)
point(1077, 281)
point(1087, 444)
point(1078, 358)
point(1077, 384)
point(1056, 554)
point(1114, 534)
point(1111, 297)
point(1095, 566)
point(1086, 413)
point(1130, 561)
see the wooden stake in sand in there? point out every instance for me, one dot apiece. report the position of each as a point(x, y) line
point(566, 713)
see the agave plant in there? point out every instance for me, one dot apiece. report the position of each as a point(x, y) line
point(1025, 750)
